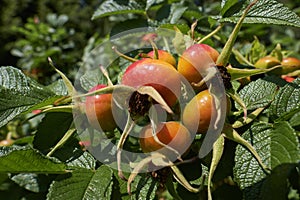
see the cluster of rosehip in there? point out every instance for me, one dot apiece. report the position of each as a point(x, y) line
point(287, 66)
point(160, 70)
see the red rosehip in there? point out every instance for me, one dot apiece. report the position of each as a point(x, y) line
point(195, 60)
point(99, 110)
point(164, 56)
point(290, 64)
point(156, 73)
point(266, 62)
point(198, 112)
point(170, 133)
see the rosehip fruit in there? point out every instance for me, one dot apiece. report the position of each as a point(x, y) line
point(198, 112)
point(99, 110)
point(170, 133)
point(156, 73)
point(288, 78)
point(266, 62)
point(290, 64)
point(6, 142)
point(195, 60)
point(164, 56)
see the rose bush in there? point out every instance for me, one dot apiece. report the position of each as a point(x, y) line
point(58, 153)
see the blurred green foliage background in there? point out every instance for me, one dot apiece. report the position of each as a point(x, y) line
point(32, 30)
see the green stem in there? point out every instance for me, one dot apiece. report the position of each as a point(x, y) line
point(123, 55)
point(244, 121)
point(66, 108)
point(211, 34)
point(239, 101)
point(62, 101)
point(105, 73)
point(106, 90)
point(50, 108)
point(225, 54)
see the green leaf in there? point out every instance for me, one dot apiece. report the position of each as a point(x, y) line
point(27, 160)
point(149, 3)
point(3, 178)
point(75, 158)
point(257, 51)
point(170, 186)
point(58, 87)
point(230, 7)
point(257, 94)
point(295, 120)
point(287, 100)
point(284, 145)
point(159, 160)
point(275, 186)
point(277, 52)
point(128, 25)
point(143, 187)
point(52, 129)
point(177, 10)
point(90, 73)
point(276, 144)
point(32, 182)
point(91, 78)
point(266, 12)
point(181, 42)
point(83, 184)
point(86, 160)
point(191, 171)
point(184, 28)
point(115, 7)
point(18, 93)
point(194, 14)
